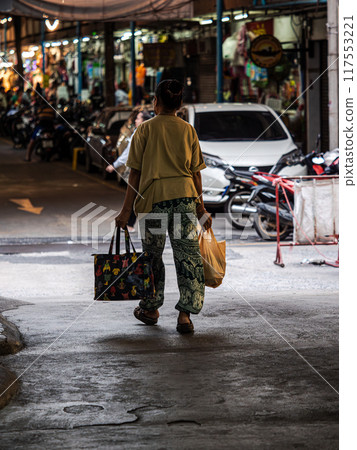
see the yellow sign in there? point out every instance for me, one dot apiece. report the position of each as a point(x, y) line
point(266, 51)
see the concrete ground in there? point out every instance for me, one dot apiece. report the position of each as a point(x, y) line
point(260, 371)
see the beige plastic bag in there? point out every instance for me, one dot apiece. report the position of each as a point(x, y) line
point(213, 257)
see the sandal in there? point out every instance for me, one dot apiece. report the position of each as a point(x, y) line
point(139, 313)
point(185, 328)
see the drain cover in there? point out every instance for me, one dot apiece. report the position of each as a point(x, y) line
point(79, 409)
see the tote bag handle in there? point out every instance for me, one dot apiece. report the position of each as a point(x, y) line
point(116, 236)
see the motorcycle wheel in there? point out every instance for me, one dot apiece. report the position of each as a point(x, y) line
point(266, 227)
point(23, 139)
point(39, 151)
point(237, 219)
point(48, 154)
point(17, 139)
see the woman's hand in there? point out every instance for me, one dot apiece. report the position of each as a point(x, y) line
point(110, 168)
point(122, 218)
point(204, 217)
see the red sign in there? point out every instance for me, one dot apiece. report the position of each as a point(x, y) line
point(261, 27)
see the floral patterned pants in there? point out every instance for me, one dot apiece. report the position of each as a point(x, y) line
point(179, 217)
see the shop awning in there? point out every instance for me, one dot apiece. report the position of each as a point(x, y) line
point(100, 10)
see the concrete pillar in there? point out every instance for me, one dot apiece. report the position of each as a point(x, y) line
point(109, 63)
point(219, 52)
point(5, 41)
point(43, 45)
point(133, 63)
point(79, 55)
point(19, 67)
point(332, 36)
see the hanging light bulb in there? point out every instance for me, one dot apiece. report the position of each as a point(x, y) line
point(52, 26)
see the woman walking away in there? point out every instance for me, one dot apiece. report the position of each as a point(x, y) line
point(165, 161)
point(122, 159)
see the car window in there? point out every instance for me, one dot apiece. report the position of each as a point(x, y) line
point(238, 126)
point(112, 118)
point(115, 127)
point(100, 121)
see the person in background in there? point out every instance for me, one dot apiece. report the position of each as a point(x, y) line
point(165, 159)
point(8, 95)
point(121, 161)
point(46, 117)
point(96, 98)
point(26, 97)
point(121, 95)
point(52, 92)
point(62, 92)
point(3, 101)
point(38, 89)
point(14, 96)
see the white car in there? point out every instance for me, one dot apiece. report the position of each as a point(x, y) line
point(241, 135)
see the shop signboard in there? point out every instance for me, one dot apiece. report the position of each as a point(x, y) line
point(260, 27)
point(266, 51)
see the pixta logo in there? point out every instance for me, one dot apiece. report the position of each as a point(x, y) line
point(93, 224)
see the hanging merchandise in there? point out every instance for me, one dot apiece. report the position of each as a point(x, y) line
point(96, 69)
point(227, 70)
point(62, 71)
point(37, 77)
point(263, 76)
point(140, 54)
point(229, 47)
point(259, 75)
point(241, 51)
point(248, 65)
point(252, 71)
point(140, 73)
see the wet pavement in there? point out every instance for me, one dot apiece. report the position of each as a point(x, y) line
point(260, 371)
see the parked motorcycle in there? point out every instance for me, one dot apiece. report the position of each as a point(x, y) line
point(263, 196)
point(241, 183)
point(78, 136)
point(7, 119)
point(22, 127)
point(45, 144)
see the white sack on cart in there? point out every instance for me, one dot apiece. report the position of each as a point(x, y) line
point(316, 208)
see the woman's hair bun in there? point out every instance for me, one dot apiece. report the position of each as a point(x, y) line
point(169, 93)
point(175, 87)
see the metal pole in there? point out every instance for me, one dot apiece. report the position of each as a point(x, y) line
point(5, 40)
point(219, 52)
point(43, 46)
point(332, 36)
point(133, 65)
point(79, 52)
